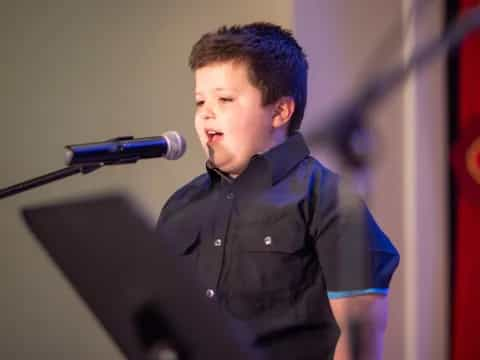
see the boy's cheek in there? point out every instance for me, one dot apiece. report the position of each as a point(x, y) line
point(200, 133)
point(203, 143)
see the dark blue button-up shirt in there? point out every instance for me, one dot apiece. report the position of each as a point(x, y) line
point(274, 244)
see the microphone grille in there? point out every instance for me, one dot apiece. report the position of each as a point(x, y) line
point(176, 145)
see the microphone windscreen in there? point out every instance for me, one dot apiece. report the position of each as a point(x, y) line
point(176, 145)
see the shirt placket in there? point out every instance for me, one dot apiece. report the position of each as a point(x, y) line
point(216, 242)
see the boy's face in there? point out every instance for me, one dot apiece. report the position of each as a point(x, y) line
point(230, 120)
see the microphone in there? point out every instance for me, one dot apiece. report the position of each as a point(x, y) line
point(171, 145)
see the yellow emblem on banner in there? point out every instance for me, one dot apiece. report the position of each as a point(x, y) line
point(465, 158)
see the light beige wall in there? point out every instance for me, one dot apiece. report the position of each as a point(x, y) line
point(82, 71)
point(349, 41)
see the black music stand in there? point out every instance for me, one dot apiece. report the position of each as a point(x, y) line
point(129, 279)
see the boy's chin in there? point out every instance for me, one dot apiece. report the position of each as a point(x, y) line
point(231, 171)
point(219, 165)
point(224, 167)
point(222, 160)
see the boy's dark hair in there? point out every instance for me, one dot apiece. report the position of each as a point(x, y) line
point(277, 65)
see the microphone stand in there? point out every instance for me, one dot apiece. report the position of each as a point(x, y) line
point(88, 165)
point(348, 120)
point(47, 178)
point(65, 172)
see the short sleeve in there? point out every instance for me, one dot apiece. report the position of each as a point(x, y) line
point(355, 255)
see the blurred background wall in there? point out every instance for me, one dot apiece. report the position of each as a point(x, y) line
point(74, 72)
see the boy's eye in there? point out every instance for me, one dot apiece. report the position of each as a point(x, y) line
point(199, 103)
point(226, 99)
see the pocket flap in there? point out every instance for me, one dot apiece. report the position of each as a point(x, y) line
point(182, 241)
point(282, 236)
point(186, 241)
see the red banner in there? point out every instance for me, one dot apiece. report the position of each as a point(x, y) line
point(466, 161)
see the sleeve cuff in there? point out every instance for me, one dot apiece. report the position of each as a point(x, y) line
point(343, 294)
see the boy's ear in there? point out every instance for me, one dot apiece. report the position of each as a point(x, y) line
point(283, 111)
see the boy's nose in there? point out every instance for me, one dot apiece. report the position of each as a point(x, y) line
point(207, 112)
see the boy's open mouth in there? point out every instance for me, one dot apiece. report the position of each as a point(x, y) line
point(213, 136)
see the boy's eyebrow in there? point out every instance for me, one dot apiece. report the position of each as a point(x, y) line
point(217, 89)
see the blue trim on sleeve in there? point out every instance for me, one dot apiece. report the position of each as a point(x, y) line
point(342, 294)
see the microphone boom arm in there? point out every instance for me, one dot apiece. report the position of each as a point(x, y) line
point(342, 124)
point(47, 178)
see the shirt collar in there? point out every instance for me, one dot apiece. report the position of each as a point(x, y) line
point(216, 174)
point(284, 157)
point(279, 161)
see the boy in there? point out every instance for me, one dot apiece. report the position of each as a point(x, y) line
point(262, 226)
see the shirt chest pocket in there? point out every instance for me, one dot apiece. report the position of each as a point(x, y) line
point(185, 241)
point(273, 257)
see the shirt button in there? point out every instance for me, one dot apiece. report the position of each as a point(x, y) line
point(230, 196)
point(210, 293)
point(217, 242)
point(268, 240)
